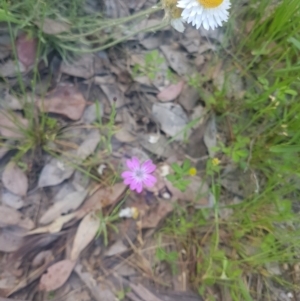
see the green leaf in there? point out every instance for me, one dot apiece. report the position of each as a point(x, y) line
point(295, 42)
point(186, 165)
point(285, 148)
point(291, 92)
point(171, 178)
point(176, 168)
point(7, 17)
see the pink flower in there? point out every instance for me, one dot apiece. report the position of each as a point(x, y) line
point(139, 174)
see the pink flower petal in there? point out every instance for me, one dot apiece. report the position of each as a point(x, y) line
point(148, 166)
point(149, 180)
point(127, 174)
point(139, 187)
point(133, 163)
point(133, 185)
point(127, 181)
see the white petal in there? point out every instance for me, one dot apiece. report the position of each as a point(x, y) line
point(193, 12)
point(178, 24)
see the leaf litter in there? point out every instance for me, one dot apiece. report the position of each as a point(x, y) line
point(153, 119)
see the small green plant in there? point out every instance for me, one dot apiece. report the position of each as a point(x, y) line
point(238, 150)
point(180, 175)
point(121, 294)
point(169, 257)
point(153, 62)
point(107, 221)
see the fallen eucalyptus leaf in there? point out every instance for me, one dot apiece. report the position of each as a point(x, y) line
point(171, 92)
point(55, 226)
point(172, 119)
point(54, 173)
point(14, 179)
point(53, 27)
point(70, 202)
point(210, 136)
point(65, 100)
point(56, 275)
point(86, 232)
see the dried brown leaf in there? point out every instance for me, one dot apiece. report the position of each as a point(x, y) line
point(9, 216)
point(56, 275)
point(55, 226)
point(53, 27)
point(70, 202)
point(100, 292)
point(26, 47)
point(157, 214)
point(102, 198)
point(172, 119)
point(10, 69)
point(82, 67)
point(171, 92)
point(33, 275)
point(89, 145)
point(86, 232)
point(11, 125)
point(210, 136)
point(124, 135)
point(11, 102)
point(12, 200)
point(3, 151)
point(54, 173)
point(189, 97)
point(14, 179)
point(143, 292)
point(116, 248)
point(176, 59)
point(65, 100)
point(11, 239)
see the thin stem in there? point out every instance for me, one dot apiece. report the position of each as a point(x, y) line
point(108, 45)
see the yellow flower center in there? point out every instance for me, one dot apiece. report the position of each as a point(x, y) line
point(171, 8)
point(192, 171)
point(215, 161)
point(210, 3)
point(175, 12)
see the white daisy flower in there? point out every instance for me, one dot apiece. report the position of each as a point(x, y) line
point(173, 14)
point(208, 13)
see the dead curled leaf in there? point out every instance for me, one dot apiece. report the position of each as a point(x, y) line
point(171, 92)
point(14, 179)
point(65, 100)
point(56, 275)
point(71, 202)
point(86, 231)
